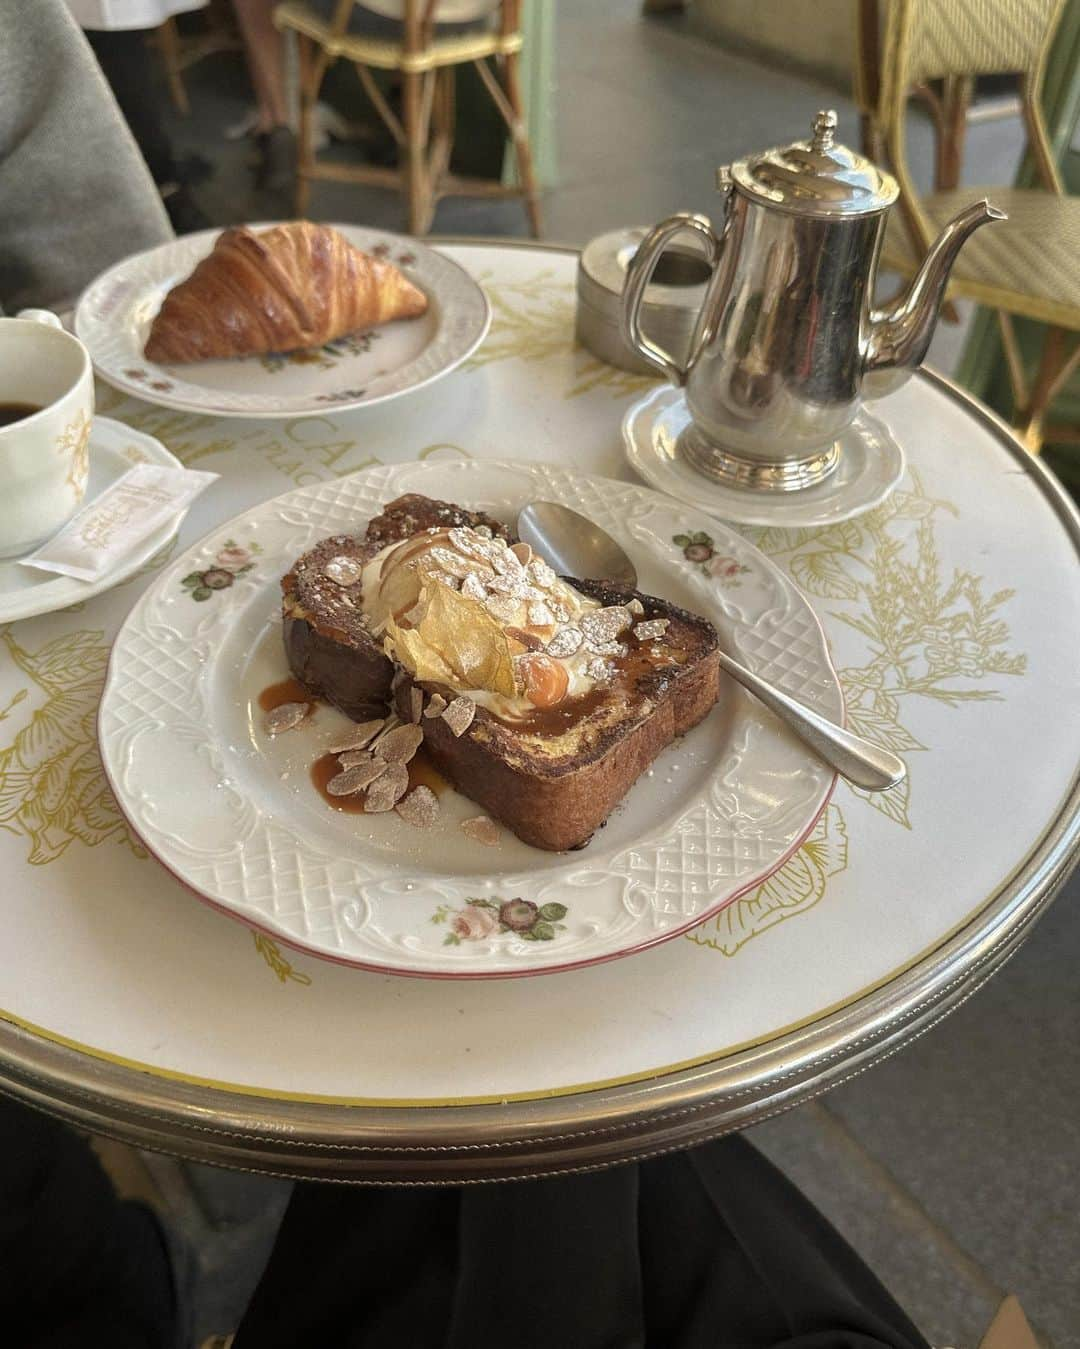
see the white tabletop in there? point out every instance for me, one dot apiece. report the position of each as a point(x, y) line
point(954, 618)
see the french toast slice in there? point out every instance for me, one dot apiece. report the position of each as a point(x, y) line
point(327, 641)
point(553, 784)
point(550, 774)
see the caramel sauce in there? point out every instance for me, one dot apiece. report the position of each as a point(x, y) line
point(287, 691)
point(422, 773)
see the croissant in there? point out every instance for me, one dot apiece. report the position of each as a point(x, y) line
point(296, 285)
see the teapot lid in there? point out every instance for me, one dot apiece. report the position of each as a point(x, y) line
point(816, 177)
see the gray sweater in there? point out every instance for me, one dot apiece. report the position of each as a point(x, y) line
point(75, 195)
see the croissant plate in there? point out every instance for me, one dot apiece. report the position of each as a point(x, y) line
point(295, 285)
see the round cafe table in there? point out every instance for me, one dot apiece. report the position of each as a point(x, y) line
point(953, 612)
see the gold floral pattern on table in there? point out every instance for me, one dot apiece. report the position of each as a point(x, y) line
point(480, 918)
point(700, 549)
point(533, 320)
point(230, 562)
point(52, 785)
point(931, 634)
point(792, 890)
point(74, 440)
point(271, 953)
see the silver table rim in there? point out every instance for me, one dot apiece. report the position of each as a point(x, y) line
point(585, 1129)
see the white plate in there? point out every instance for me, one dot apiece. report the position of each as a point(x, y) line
point(26, 592)
point(871, 464)
point(233, 814)
point(115, 312)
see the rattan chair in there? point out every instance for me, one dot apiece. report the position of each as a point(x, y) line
point(424, 59)
point(1028, 265)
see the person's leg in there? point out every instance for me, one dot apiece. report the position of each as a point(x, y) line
point(734, 1255)
point(122, 56)
point(79, 1267)
point(356, 1266)
point(266, 62)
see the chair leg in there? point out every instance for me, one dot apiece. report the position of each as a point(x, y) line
point(170, 50)
point(417, 186)
point(522, 147)
point(305, 150)
point(1056, 364)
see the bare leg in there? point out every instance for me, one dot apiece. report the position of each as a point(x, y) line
point(262, 43)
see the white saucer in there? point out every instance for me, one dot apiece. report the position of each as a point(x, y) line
point(26, 592)
point(871, 464)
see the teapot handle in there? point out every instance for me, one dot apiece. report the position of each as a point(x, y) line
point(639, 273)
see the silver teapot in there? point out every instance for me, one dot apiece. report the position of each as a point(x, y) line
point(787, 342)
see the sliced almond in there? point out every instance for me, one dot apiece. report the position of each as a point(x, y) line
point(355, 779)
point(636, 608)
point(352, 757)
point(459, 715)
point(285, 716)
point(400, 744)
point(416, 703)
point(652, 629)
point(358, 737)
point(482, 830)
point(420, 808)
point(343, 570)
point(565, 642)
point(388, 725)
point(523, 552)
point(387, 789)
point(436, 704)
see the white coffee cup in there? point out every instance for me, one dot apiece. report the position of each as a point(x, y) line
point(44, 457)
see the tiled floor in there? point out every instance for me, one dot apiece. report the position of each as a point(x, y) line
point(954, 1167)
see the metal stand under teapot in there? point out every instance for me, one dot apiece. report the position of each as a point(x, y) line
point(787, 344)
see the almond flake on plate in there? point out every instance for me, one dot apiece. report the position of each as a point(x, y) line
point(352, 758)
point(359, 736)
point(456, 565)
point(400, 744)
point(387, 789)
point(355, 779)
point(599, 670)
point(565, 642)
point(481, 829)
point(459, 715)
point(523, 552)
point(655, 627)
point(285, 716)
point(436, 703)
point(636, 608)
point(540, 615)
point(473, 587)
point(420, 808)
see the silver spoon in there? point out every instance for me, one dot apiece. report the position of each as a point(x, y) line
point(575, 546)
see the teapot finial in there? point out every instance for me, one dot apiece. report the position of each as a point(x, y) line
point(824, 130)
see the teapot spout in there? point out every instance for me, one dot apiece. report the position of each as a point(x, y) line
point(900, 335)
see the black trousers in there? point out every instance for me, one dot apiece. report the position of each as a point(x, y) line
point(708, 1248)
point(131, 70)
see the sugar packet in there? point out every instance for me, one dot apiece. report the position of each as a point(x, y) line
point(98, 537)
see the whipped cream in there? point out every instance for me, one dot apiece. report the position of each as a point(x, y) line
point(538, 612)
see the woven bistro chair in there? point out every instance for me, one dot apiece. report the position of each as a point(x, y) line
point(1028, 265)
point(425, 59)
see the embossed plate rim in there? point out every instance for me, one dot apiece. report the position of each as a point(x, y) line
point(439, 275)
point(763, 748)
